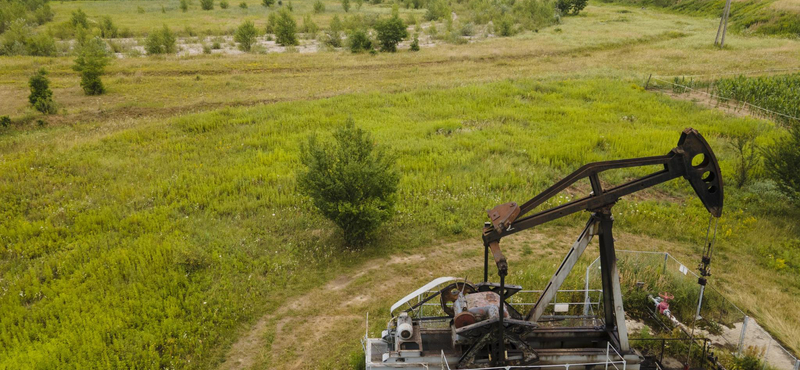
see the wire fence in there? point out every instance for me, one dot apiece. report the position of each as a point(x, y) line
point(705, 310)
point(680, 88)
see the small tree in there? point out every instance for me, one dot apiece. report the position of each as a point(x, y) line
point(91, 62)
point(359, 41)
point(160, 41)
point(272, 22)
point(285, 28)
point(346, 5)
point(390, 32)
point(184, 5)
point(243, 5)
point(351, 182)
point(79, 18)
point(5, 121)
point(267, 3)
point(744, 146)
point(309, 26)
point(780, 163)
point(319, 7)
point(246, 35)
point(107, 28)
point(207, 4)
point(223, 4)
point(41, 97)
point(415, 44)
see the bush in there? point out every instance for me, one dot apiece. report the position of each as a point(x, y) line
point(351, 182)
point(571, 7)
point(346, 5)
point(415, 44)
point(41, 97)
point(505, 27)
point(5, 121)
point(267, 3)
point(309, 26)
point(184, 5)
point(223, 4)
point(319, 7)
point(160, 42)
point(285, 28)
point(243, 5)
point(79, 19)
point(107, 28)
point(91, 62)
point(437, 9)
point(390, 32)
point(780, 163)
point(246, 35)
point(42, 45)
point(207, 4)
point(359, 41)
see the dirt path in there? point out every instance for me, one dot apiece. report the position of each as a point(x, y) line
point(301, 333)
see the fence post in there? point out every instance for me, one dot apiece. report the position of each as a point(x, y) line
point(666, 257)
point(700, 301)
point(796, 364)
point(741, 336)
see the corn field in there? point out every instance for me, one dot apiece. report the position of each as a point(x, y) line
point(779, 94)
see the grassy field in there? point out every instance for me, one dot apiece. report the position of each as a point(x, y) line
point(127, 15)
point(151, 227)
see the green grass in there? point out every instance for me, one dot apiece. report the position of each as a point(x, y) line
point(148, 247)
point(757, 17)
point(218, 21)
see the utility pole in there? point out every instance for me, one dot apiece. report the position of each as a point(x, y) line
point(723, 25)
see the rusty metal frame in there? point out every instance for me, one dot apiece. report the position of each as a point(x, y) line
point(704, 176)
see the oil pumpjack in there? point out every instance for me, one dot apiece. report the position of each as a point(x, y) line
point(479, 328)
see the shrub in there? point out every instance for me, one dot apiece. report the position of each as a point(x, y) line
point(437, 9)
point(571, 7)
point(140, 10)
point(390, 32)
point(359, 41)
point(79, 18)
point(351, 182)
point(505, 26)
point(468, 29)
point(5, 121)
point(91, 62)
point(243, 5)
point(272, 21)
point(207, 4)
point(184, 5)
point(41, 97)
point(285, 28)
point(359, 4)
point(107, 28)
point(246, 35)
point(346, 5)
point(415, 44)
point(333, 37)
point(780, 163)
point(223, 4)
point(267, 3)
point(160, 42)
point(319, 7)
point(41, 44)
point(309, 26)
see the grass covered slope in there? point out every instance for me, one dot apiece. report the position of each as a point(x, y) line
point(151, 246)
point(764, 17)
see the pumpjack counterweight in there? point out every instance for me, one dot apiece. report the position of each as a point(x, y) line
point(476, 326)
